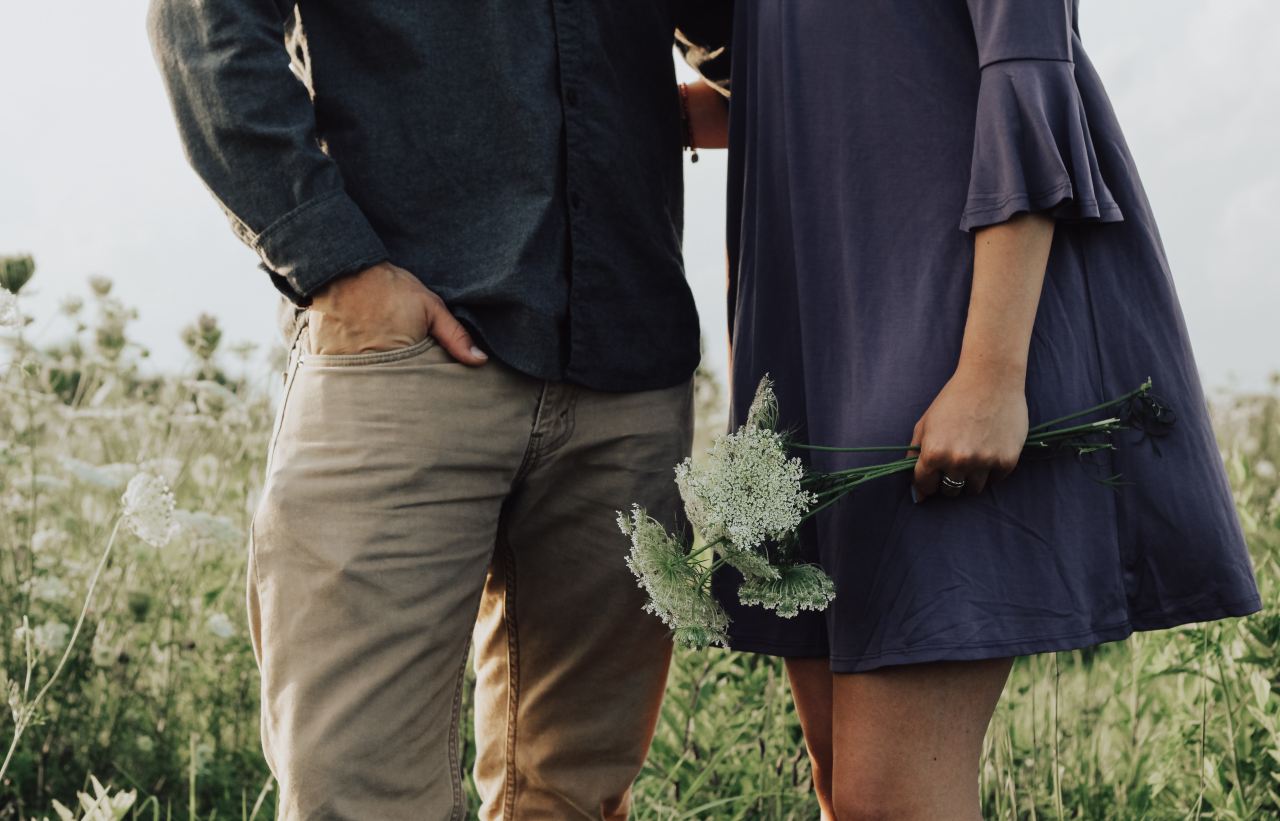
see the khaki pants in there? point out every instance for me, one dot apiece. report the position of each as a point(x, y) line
point(411, 501)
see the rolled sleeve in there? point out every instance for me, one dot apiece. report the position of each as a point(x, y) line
point(248, 128)
point(319, 240)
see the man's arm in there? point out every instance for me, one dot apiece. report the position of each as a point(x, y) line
point(249, 130)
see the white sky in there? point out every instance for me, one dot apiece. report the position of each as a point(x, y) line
point(92, 179)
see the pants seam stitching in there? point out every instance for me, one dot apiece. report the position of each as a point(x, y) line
point(533, 449)
point(513, 680)
point(455, 767)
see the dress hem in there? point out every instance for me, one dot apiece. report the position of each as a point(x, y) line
point(1000, 649)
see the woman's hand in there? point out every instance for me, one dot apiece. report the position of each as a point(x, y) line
point(977, 425)
point(973, 433)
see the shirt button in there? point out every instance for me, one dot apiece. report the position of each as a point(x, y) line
point(571, 96)
point(575, 202)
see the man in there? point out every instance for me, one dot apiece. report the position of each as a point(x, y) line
point(478, 204)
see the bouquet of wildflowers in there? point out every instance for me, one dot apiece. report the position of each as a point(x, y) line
point(748, 498)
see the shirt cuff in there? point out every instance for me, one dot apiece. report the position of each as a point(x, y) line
point(320, 240)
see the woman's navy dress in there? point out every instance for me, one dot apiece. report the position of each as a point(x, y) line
point(870, 138)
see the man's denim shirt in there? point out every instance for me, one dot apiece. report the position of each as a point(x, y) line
point(521, 157)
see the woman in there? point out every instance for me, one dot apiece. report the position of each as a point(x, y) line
point(936, 235)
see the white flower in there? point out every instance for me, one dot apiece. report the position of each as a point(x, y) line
point(48, 539)
point(166, 467)
point(763, 412)
point(49, 639)
point(751, 564)
point(100, 806)
point(50, 483)
point(798, 587)
point(118, 473)
point(207, 527)
point(746, 491)
point(9, 315)
point(204, 469)
point(12, 693)
point(148, 509)
point(1264, 469)
point(108, 477)
point(103, 651)
point(219, 625)
point(71, 305)
point(99, 414)
point(47, 588)
point(667, 573)
point(211, 397)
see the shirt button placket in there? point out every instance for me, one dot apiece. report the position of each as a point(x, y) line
point(568, 38)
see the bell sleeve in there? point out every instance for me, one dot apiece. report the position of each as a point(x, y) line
point(1032, 149)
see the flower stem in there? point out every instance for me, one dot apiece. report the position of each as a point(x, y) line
point(872, 449)
point(1145, 387)
point(1100, 426)
point(29, 707)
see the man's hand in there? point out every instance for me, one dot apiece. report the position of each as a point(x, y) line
point(383, 308)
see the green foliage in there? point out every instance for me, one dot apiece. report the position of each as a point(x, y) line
point(160, 694)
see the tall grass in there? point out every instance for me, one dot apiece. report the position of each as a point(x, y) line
point(159, 695)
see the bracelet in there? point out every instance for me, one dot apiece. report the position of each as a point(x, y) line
point(688, 121)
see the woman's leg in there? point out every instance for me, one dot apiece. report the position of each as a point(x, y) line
point(811, 689)
point(907, 741)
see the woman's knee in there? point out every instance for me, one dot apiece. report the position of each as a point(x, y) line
point(864, 802)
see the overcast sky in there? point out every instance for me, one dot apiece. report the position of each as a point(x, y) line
point(92, 179)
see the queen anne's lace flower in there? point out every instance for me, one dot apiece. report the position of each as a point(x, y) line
point(9, 315)
point(103, 650)
point(47, 588)
point(797, 587)
point(752, 564)
point(763, 412)
point(49, 540)
point(207, 527)
point(108, 477)
point(746, 491)
point(219, 625)
point(148, 509)
point(48, 639)
point(666, 572)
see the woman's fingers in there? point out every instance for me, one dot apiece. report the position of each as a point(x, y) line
point(977, 481)
point(951, 475)
point(952, 483)
point(927, 476)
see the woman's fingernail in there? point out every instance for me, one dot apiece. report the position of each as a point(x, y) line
point(478, 354)
point(915, 497)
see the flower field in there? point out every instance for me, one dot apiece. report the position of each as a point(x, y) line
point(156, 697)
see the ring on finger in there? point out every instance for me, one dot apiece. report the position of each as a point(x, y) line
point(952, 486)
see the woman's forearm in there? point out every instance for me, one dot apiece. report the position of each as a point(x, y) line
point(1009, 262)
point(975, 429)
point(708, 116)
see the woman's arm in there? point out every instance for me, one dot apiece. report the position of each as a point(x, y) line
point(708, 116)
point(975, 429)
